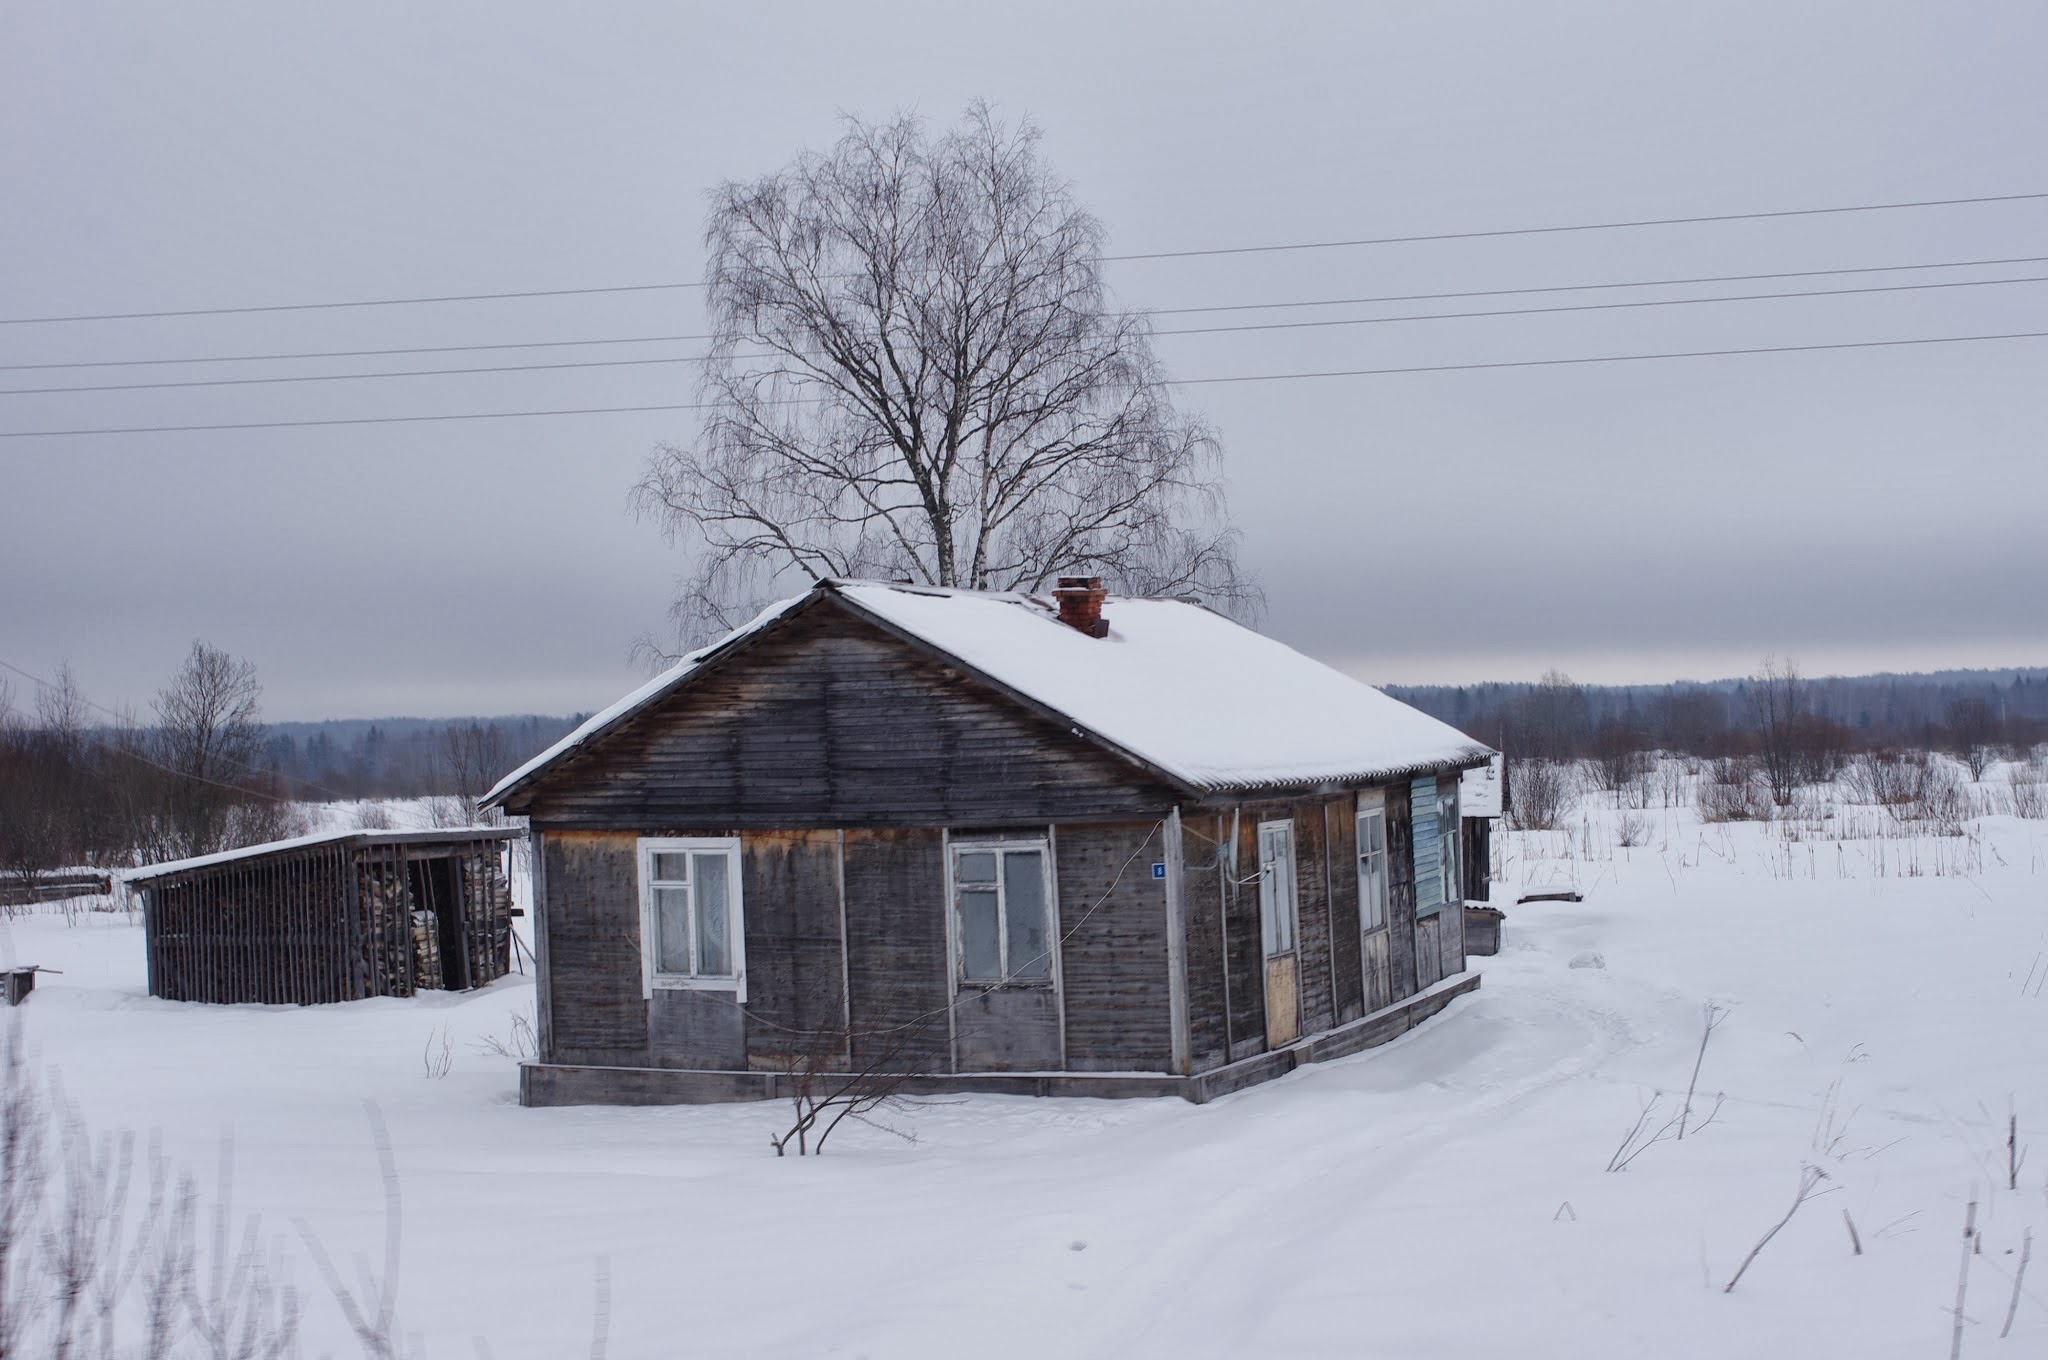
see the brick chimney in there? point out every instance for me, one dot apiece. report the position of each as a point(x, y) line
point(1080, 599)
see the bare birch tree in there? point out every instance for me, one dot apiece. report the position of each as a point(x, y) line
point(917, 372)
point(208, 737)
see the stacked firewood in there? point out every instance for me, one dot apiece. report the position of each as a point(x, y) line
point(426, 952)
point(388, 943)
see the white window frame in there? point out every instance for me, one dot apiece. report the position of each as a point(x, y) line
point(651, 978)
point(1288, 937)
point(1040, 845)
point(1372, 896)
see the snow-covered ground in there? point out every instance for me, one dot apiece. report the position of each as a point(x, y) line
point(1444, 1196)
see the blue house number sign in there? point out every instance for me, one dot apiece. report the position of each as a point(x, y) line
point(1159, 871)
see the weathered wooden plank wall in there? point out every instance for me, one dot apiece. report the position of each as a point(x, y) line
point(897, 965)
point(1113, 957)
point(831, 722)
point(594, 979)
point(1429, 950)
point(1340, 815)
point(1203, 872)
point(1245, 947)
point(1400, 896)
point(1476, 857)
point(1312, 910)
point(796, 1005)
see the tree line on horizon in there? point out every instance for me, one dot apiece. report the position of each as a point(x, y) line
point(83, 787)
point(1556, 718)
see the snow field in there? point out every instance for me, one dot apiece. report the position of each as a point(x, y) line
point(1443, 1196)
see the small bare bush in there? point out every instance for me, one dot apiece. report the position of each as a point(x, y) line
point(520, 1044)
point(373, 816)
point(2028, 785)
point(1632, 830)
point(1735, 790)
point(1542, 792)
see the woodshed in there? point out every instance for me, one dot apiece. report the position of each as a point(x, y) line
point(1067, 846)
point(333, 917)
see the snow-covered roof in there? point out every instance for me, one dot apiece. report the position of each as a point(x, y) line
point(358, 835)
point(1206, 701)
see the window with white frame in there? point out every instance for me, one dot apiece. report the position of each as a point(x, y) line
point(1276, 886)
point(1002, 900)
point(1372, 869)
point(691, 929)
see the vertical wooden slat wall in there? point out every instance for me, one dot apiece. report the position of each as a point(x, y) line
point(326, 923)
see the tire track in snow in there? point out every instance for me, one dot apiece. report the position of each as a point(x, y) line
point(1220, 1270)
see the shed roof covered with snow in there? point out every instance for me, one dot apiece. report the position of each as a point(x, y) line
point(1170, 685)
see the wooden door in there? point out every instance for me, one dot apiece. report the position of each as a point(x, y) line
point(1277, 923)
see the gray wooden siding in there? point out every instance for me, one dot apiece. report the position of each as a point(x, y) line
point(1244, 946)
point(795, 998)
point(1113, 961)
point(1346, 952)
point(1312, 903)
point(1475, 857)
point(596, 1007)
point(1400, 895)
point(897, 963)
point(830, 722)
point(1203, 872)
point(1006, 1029)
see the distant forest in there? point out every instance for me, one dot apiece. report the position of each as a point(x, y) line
point(1557, 719)
point(403, 757)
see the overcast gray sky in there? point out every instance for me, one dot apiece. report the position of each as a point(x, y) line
point(1854, 509)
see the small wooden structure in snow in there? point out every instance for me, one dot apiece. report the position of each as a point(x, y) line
point(333, 917)
point(1482, 801)
point(997, 842)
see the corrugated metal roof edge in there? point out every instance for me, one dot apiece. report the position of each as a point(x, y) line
point(1472, 759)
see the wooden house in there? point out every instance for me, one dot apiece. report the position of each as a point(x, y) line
point(1075, 846)
point(334, 917)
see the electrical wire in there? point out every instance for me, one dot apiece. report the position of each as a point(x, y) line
point(1562, 288)
point(1575, 226)
point(1149, 311)
point(1191, 330)
point(1175, 382)
point(528, 293)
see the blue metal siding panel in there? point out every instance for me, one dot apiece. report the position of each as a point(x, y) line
point(1429, 883)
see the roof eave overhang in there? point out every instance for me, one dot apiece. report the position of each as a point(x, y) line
point(1312, 786)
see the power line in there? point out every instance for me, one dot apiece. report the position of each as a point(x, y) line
point(383, 353)
point(1574, 307)
point(527, 293)
point(1149, 311)
point(1612, 358)
point(348, 377)
point(1191, 330)
point(1512, 292)
point(1576, 226)
point(1177, 382)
